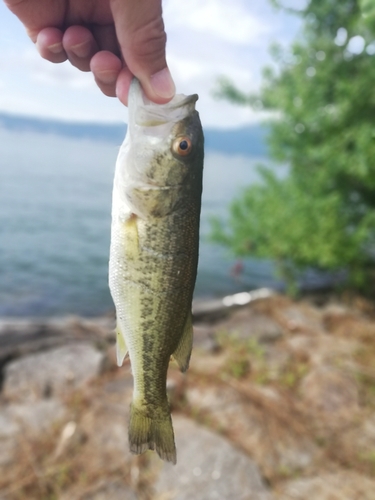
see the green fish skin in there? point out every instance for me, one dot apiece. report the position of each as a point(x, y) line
point(154, 255)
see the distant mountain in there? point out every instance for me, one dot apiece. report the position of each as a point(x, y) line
point(248, 141)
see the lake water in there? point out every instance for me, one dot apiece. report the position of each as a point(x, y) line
point(55, 202)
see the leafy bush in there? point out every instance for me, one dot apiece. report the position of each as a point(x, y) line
point(323, 102)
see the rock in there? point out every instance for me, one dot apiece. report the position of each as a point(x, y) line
point(176, 386)
point(248, 420)
point(113, 490)
point(208, 467)
point(103, 490)
point(302, 317)
point(51, 373)
point(105, 427)
point(8, 450)
point(319, 348)
point(358, 443)
point(212, 365)
point(204, 338)
point(276, 358)
point(119, 386)
point(22, 420)
point(369, 430)
point(347, 323)
point(344, 485)
point(20, 337)
point(37, 417)
point(331, 392)
point(246, 324)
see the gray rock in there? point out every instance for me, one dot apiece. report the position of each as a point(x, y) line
point(330, 391)
point(208, 467)
point(8, 449)
point(37, 417)
point(246, 324)
point(359, 440)
point(344, 485)
point(21, 337)
point(22, 420)
point(282, 449)
point(8, 427)
point(105, 426)
point(51, 373)
point(204, 338)
point(111, 490)
point(303, 317)
point(321, 349)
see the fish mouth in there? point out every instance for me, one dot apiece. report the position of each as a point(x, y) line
point(145, 113)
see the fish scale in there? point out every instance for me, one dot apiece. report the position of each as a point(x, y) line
point(154, 255)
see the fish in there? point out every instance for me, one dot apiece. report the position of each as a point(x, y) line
point(154, 255)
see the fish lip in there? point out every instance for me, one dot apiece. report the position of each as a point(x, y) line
point(146, 113)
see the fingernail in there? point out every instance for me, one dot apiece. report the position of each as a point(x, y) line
point(81, 49)
point(163, 84)
point(55, 48)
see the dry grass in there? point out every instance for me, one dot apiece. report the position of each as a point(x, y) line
point(238, 396)
point(45, 470)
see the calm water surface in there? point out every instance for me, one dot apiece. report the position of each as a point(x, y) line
point(55, 202)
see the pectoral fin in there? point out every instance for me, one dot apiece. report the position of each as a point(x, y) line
point(183, 352)
point(121, 349)
point(131, 238)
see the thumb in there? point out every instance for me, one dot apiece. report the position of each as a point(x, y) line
point(142, 39)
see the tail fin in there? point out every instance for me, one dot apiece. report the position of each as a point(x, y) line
point(146, 433)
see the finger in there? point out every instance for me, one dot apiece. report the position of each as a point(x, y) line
point(36, 15)
point(79, 45)
point(49, 45)
point(106, 68)
point(123, 84)
point(106, 39)
point(140, 31)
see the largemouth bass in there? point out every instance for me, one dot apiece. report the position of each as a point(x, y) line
point(154, 255)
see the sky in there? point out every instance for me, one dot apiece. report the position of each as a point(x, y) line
point(206, 39)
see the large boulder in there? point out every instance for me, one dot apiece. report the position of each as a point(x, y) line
point(246, 324)
point(103, 490)
point(343, 485)
point(18, 421)
point(208, 467)
point(51, 373)
point(330, 392)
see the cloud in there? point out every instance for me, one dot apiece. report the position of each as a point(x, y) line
point(230, 21)
point(206, 39)
point(42, 71)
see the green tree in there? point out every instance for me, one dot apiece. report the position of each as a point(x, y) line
point(322, 95)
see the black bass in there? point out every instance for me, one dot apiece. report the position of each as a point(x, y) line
point(154, 255)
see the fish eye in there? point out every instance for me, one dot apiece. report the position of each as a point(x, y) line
point(182, 146)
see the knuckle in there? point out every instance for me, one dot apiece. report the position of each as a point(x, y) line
point(149, 40)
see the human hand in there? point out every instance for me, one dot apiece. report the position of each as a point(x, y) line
point(115, 39)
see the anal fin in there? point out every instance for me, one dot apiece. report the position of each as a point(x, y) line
point(183, 352)
point(121, 349)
